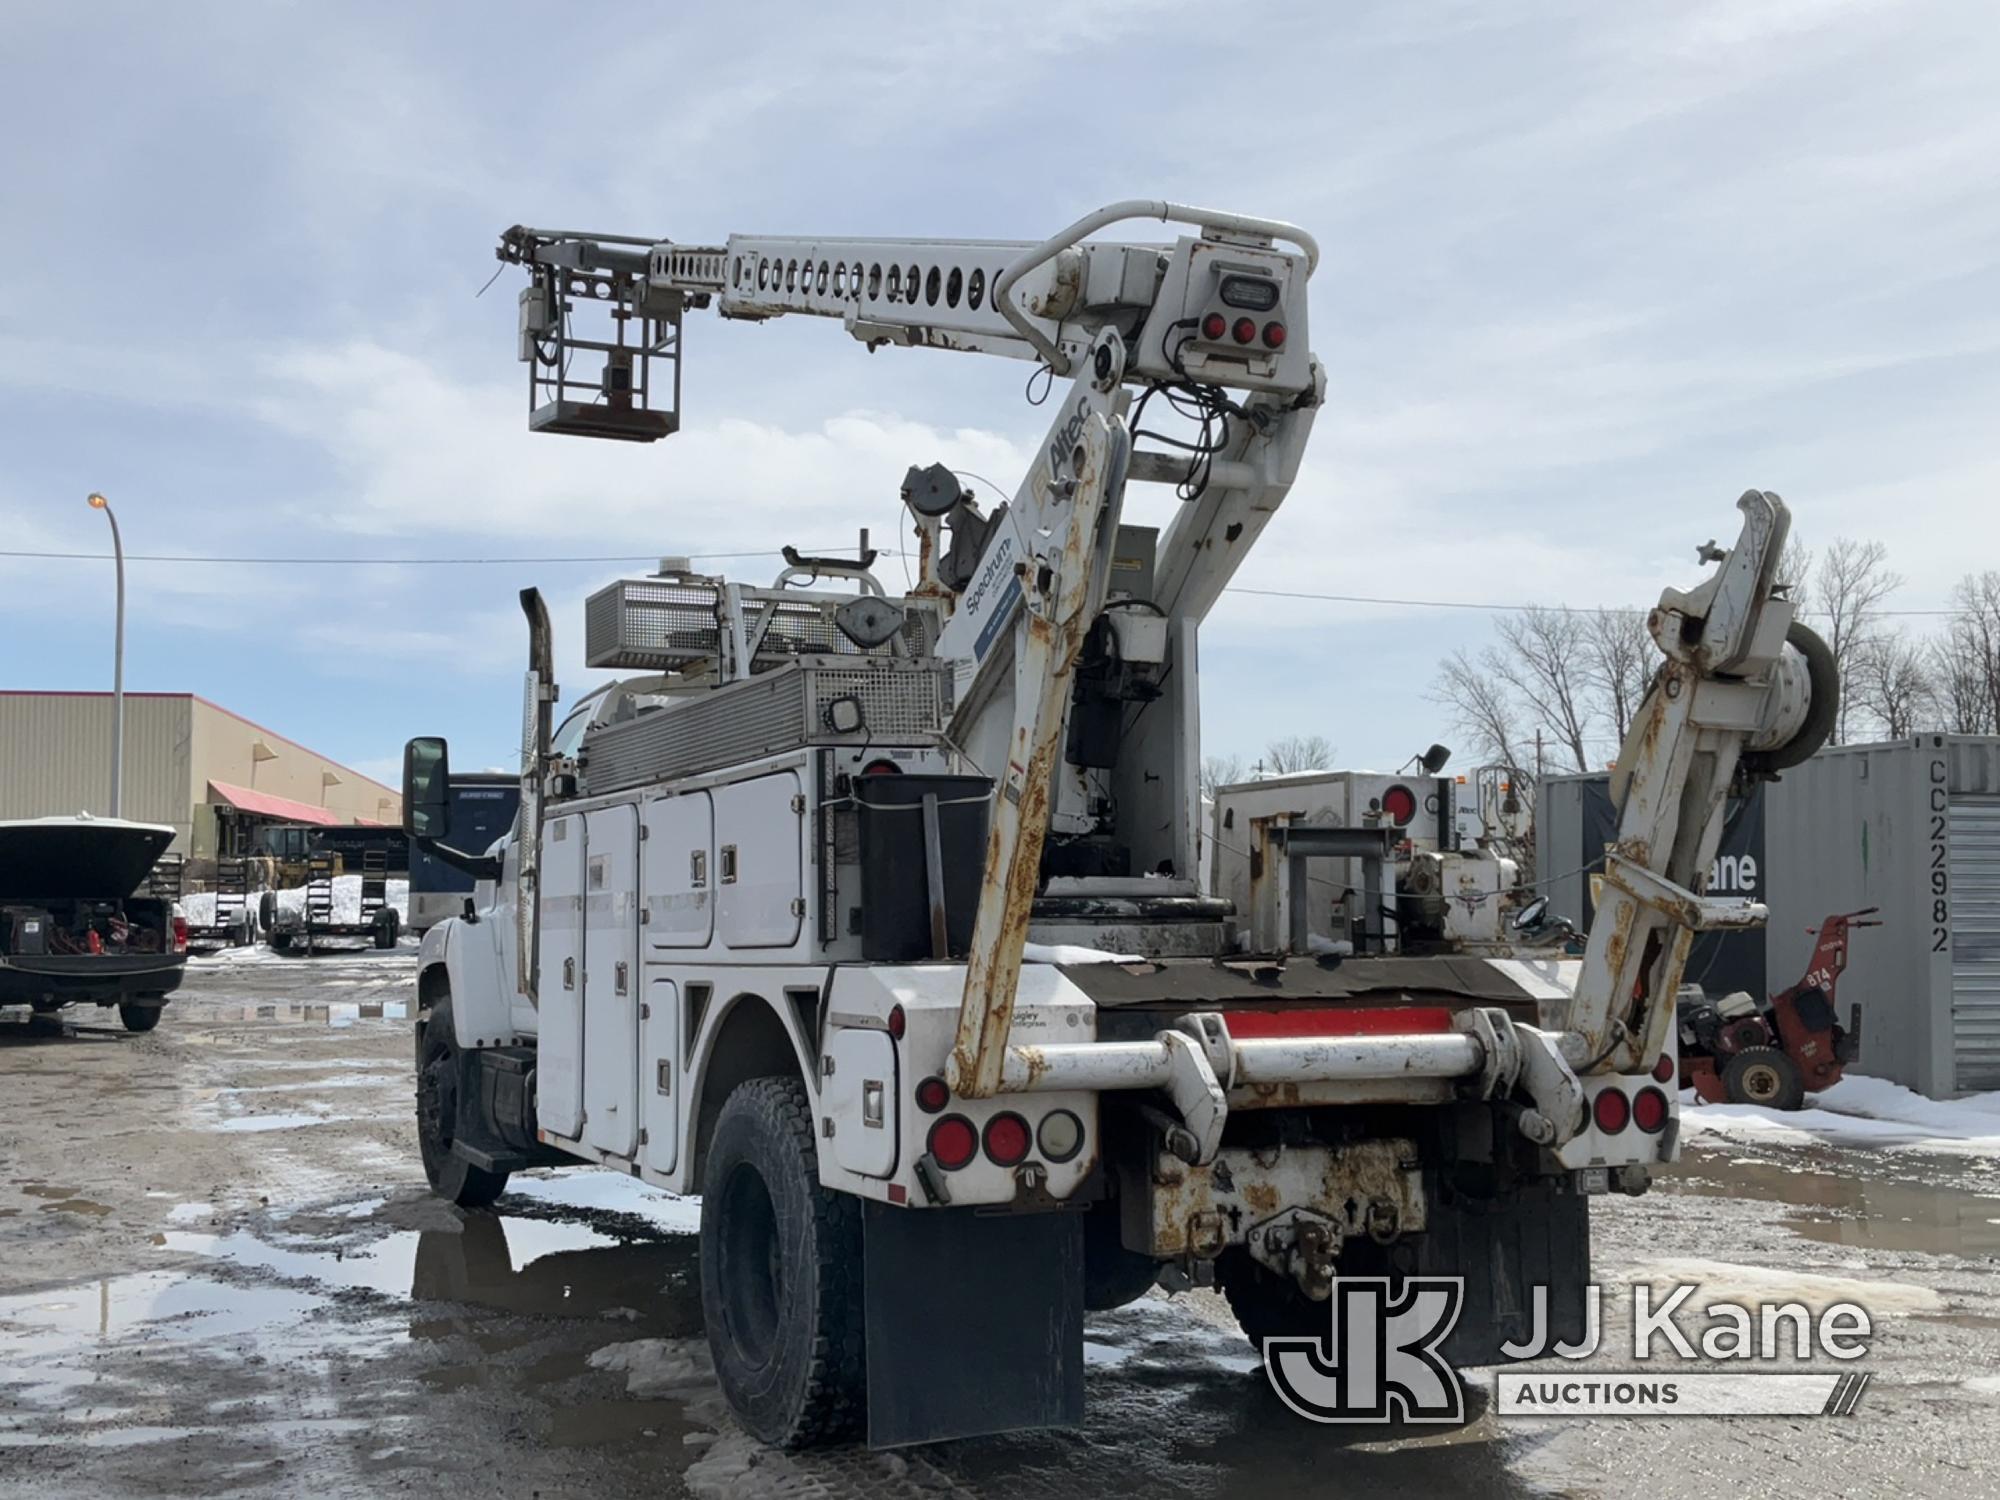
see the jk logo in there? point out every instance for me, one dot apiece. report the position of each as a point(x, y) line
point(1379, 1361)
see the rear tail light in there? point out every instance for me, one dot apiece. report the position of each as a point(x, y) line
point(180, 934)
point(1663, 1070)
point(881, 768)
point(1007, 1139)
point(94, 941)
point(1612, 1111)
point(1060, 1136)
point(1400, 803)
point(932, 1095)
point(898, 1022)
point(953, 1142)
point(1274, 335)
point(1649, 1111)
point(1244, 331)
point(1214, 326)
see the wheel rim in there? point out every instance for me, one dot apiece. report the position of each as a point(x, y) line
point(1760, 1083)
point(752, 1255)
point(434, 1101)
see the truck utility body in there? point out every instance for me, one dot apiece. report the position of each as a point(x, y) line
point(877, 921)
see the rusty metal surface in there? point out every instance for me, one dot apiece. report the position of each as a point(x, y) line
point(1200, 1211)
point(1060, 590)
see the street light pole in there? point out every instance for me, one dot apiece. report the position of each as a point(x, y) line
point(98, 502)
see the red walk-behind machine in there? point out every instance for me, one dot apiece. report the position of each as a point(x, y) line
point(1737, 1051)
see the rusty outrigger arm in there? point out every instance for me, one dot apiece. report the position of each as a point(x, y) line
point(1060, 591)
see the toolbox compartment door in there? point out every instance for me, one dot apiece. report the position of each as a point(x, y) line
point(611, 982)
point(679, 857)
point(760, 862)
point(559, 1065)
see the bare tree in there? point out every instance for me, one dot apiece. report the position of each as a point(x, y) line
point(1972, 652)
point(1542, 659)
point(1298, 752)
point(1619, 659)
point(1849, 586)
point(1480, 707)
point(1219, 771)
point(1892, 682)
point(1795, 569)
point(1958, 683)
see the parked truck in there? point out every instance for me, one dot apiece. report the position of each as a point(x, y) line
point(875, 919)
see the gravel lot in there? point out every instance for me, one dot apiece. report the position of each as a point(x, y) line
point(220, 1274)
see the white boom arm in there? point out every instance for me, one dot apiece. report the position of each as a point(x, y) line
point(1219, 311)
point(1743, 683)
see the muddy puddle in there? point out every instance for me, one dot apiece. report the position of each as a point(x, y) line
point(1838, 1207)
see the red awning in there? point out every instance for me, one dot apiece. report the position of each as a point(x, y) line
point(267, 806)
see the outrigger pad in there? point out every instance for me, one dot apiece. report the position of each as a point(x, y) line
point(974, 1322)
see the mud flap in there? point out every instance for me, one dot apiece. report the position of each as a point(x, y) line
point(1505, 1247)
point(974, 1322)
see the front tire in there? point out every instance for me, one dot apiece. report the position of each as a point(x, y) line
point(140, 1015)
point(451, 1176)
point(781, 1286)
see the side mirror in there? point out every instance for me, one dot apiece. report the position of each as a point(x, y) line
point(426, 788)
point(1532, 914)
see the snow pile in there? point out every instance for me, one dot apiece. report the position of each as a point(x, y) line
point(1859, 1111)
point(1070, 953)
point(199, 907)
point(658, 1367)
point(1727, 1281)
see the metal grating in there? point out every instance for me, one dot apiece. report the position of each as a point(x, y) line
point(651, 625)
point(903, 703)
point(658, 625)
point(1975, 942)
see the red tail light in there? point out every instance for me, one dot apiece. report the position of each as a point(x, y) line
point(93, 942)
point(1611, 1111)
point(1649, 1111)
point(180, 934)
point(881, 768)
point(1214, 326)
point(898, 1022)
point(1007, 1139)
point(1663, 1070)
point(932, 1095)
point(1400, 803)
point(1244, 331)
point(953, 1142)
point(1274, 335)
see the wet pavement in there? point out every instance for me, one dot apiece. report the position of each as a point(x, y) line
point(220, 1274)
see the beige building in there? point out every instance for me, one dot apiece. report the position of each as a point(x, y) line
point(214, 775)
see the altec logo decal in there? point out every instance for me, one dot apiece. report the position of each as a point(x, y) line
point(1381, 1359)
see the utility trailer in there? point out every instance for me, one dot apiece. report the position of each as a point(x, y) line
point(317, 922)
point(771, 922)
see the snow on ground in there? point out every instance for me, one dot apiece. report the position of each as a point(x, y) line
point(1859, 1111)
point(199, 907)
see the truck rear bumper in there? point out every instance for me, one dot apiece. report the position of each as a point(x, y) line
point(1483, 1054)
point(84, 977)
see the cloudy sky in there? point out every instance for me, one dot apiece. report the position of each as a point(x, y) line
point(1589, 272)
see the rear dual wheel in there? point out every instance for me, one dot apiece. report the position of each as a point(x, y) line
point(781, 1285)
point(142, 1014)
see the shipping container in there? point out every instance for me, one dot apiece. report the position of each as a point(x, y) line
point(1912, 827)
